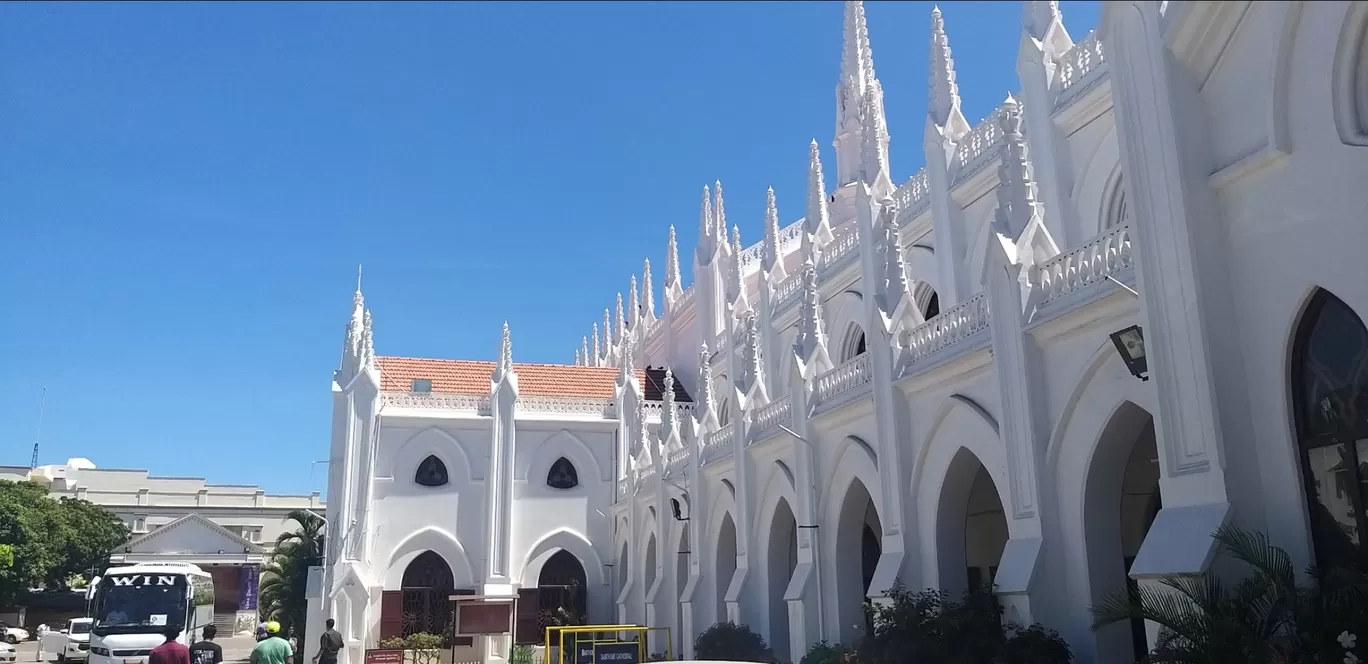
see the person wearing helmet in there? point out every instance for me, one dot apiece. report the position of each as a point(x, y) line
point(272, 650)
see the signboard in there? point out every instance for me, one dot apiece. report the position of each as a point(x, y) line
point(384, 657)
point(617, 653)
point(584, 652)
point(476, 618)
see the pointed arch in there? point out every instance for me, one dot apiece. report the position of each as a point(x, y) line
point(535, 463)
point(441, 542)
point(1328, 378)
point(562, 539)
point(1091, 189)
point(431, 472)
point(431, 441)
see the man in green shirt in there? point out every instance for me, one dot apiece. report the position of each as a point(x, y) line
point(272, 650)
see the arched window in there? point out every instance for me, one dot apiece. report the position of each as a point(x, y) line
point(853, 345)
point(431, 472)
point(1330, 393)
point(932, 307)
point(1116, 212)
point(562, 475)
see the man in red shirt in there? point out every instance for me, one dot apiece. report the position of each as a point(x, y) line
point(170, 652)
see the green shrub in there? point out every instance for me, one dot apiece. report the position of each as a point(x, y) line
point(520, 655)
point(730, 641)
point(422, 648)
point(824, 653)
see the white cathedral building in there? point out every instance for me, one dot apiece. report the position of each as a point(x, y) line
point(1122, 310)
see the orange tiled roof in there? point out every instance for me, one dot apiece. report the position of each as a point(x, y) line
point(472, 377)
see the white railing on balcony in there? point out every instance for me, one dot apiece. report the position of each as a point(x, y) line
point(1104, 256)
point(789, 235)
point(566, 406)
point(846, 241)
point(718, 441)
point(648, 474)
point(912, 193)
point(1076, 66)
point(953, 325)
point(655, 410)
point(842, 379)
point(676, 461)
point(789, 287)
point(686, 297)
point(773, 413)
point(474, 403)
point(977, 147)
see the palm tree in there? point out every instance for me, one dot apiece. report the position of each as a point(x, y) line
point(283, 590)
point(1264, 618)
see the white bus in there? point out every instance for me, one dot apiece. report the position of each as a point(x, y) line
point(134, 606)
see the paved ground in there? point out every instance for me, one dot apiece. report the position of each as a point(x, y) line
point(235, 649)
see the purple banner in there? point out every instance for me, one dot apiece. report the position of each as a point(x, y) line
point(250, 576)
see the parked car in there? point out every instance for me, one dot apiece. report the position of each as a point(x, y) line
point(12, 634)
point(69, 643)
point(7, 653)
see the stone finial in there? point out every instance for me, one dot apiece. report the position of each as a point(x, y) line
point(810, 333)
point(647, 291)
point(576, 361)
point(719, 214)
point(584, 351)
point(944, 91)
point(505, 354)
point(771, 256)
point(1016, 192)
point(736, 286)
point(874, 142)
point(669, 418)
point(705, 381)
point(707, 226)
point(628, 363)
point(672, 277)
point(643, 433)
point(367, 355)
point(817, 222)
point(752, 366)
point(893, 287)
point(607, 332)
point(594, 361)
point(620, 332)
point(1038, 16)
point(633, 304)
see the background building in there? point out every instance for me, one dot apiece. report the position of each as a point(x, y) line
point(229, 530)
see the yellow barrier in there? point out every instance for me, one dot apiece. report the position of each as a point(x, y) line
point(614, 630)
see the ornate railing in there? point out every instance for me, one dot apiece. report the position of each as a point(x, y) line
point(719, 440)
point(477, 403)
point(686, 297)
point(1103, 256)
point(655, 410)
point(773, 413)
point(676, 461)
point(790, 286)
point(790, 234)
point(846, 241)
point(952, 326)
point(912, 192)
point(977, 147)
point(648, 474)
point(842, 379)
point(1076, 65)
point(567, 406)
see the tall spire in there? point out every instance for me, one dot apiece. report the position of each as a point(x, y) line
point(647, 292)
point(505, 364)
point(367, 342)
point(719, 214)
point(577, 357)
point(607, 332)
point(672, 277)
point(707, 228)
point(1016, 192)
point(736, 287)
point(584, 350)
point(771, 256)
point(633, 305)
point(595, 361)
point(857, 58)
point(620, 332)
point(857, 80)
point(944, 92)
point(874, 144)
point(817, 223)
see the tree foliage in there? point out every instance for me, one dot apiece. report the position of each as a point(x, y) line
point(52, 541)
point(283, 593)
point(1263, 617)
point(730, 641)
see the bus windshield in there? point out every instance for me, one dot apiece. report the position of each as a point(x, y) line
point(136, 603)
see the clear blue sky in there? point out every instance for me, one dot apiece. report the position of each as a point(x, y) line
point(186, 190)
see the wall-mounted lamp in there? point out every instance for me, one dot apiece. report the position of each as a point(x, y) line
point(678, 514)
point(1130, 343)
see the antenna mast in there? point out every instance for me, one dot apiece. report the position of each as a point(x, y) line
point(41, 406)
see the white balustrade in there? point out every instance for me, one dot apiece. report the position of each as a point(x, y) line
point(912, 192)
point(1076, 65)
point(978, 146)
point(566, 406)
point(655, 410)
point(790, 286)
point(952, 326)
point(1104, 256)
point(846, 240)
point(476, 403)
point(676, 461)
point(773, 413)
point(844, 378)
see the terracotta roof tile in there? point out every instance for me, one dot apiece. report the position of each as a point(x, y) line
point(472, 377)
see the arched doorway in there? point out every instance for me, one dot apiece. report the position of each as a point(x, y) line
point(780, 561)
point(427, 588)
point(859, 537)
point(1330, 405)
point(725, 565)
point(1121, 499)
point(971, 527)
point(562, 591)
